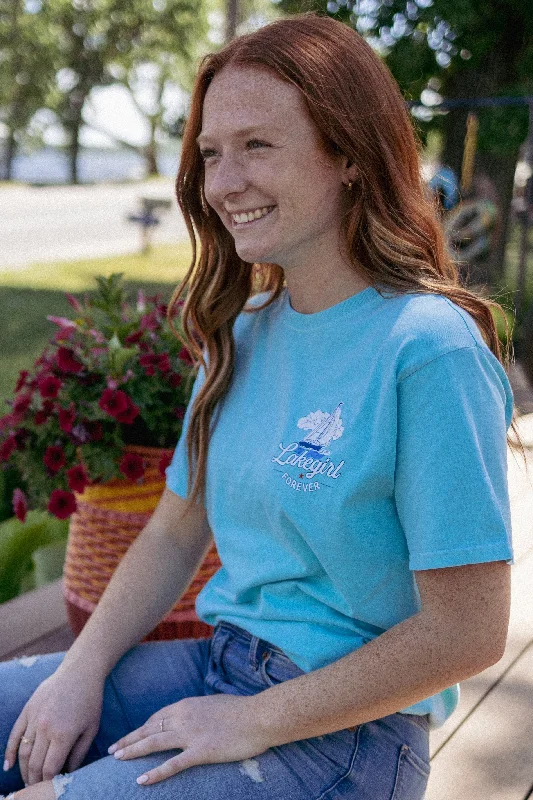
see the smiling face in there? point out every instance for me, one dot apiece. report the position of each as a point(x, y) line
point(267, 175)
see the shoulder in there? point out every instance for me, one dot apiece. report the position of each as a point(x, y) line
point(440, 342)
point(423, 327)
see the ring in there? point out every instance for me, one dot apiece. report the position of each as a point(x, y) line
point(25, 740)
point(162, 720)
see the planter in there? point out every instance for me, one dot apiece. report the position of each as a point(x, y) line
point(109, 517)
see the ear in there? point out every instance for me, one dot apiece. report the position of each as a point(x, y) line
point(350, 173)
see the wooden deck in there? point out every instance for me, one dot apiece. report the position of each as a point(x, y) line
point(484, 751)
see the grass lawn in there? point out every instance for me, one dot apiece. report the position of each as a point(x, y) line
point(27, 296)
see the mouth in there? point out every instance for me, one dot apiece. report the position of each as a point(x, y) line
point(251, 218)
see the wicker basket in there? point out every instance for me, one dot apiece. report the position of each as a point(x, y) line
point(109, 517)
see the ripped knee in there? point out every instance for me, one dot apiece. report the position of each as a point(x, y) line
point(60, 783)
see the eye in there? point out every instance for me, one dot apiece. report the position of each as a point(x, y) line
point(254, 144)
point(207, 154)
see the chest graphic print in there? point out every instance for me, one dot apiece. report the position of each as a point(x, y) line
point(309, 458)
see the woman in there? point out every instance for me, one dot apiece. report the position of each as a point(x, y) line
point(355, 479)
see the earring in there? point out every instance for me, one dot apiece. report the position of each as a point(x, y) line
point(349, 185)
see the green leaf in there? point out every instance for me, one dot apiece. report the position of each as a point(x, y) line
point(18, 542)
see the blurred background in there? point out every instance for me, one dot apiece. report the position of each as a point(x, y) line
point(93, 99)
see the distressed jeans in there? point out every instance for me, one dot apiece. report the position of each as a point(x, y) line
point(386, 759)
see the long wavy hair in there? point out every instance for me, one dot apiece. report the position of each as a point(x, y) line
point(392, 228)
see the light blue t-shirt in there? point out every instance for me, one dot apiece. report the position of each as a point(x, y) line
point(355, 445)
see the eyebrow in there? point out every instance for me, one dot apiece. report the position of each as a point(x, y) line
point(239, 134)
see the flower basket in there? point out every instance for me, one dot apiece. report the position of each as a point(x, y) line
point(88, 434)
point(108, 518)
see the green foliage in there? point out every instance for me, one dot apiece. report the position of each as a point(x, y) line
point(18, 542)
point(471, 48)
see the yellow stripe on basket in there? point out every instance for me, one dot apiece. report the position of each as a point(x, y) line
point(125, 497)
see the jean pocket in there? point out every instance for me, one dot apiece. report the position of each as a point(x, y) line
point(276, 667)
point(411, 777)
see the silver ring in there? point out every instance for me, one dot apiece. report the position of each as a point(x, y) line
point(25, 740)
point(161, 722)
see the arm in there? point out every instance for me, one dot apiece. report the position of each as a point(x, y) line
point(460, 631)
point(154, 573)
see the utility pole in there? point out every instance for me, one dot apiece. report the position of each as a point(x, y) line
point(232, 15)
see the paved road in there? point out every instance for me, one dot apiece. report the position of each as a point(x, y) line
point(73, 222)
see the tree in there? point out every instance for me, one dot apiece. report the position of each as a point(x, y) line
point(170, 36)
point(26, 71)
point(112, 41)
point(464, 49)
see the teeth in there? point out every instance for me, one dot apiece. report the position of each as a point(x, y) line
point(251, 215)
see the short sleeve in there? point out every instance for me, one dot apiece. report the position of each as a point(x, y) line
point(450, 485)
point(176, 473)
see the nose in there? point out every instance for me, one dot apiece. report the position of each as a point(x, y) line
point(227, 176)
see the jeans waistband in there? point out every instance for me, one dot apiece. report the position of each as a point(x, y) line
point(246, 637)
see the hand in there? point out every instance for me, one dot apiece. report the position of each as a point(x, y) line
point(209, 730)
point(60, 720)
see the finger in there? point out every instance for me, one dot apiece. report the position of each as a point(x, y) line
point(154, 743)
point(24, 753)
point(17, 732)
point(134, 736)
point(55, 759)
point(171, 767)
point(80, 750)
point(37, 755)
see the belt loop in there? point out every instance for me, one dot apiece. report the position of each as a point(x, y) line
point(252, 653)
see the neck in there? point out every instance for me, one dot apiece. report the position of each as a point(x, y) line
point(308, 295)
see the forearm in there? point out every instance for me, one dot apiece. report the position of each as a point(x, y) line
point(154, 573)
point(404, 665)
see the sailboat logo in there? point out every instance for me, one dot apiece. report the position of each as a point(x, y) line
point(323, 428)
point(310, 455)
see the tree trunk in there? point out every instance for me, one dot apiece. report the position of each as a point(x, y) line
point(9, 155)
point(74, 151)
point(232, 15)
point(150, 152)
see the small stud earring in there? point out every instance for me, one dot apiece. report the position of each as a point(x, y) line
point(349, 184)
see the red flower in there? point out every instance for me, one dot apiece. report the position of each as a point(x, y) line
point(6, 421)
point(49, 386)
point(42, 415)
point(129, 415)
point(179, 412)
point(164, 463)
point(185, 356)
point(134, 338)
point(163, 363)
point(7, 447)
point(20, 504)
point(132, 466)
point(76, 305)
point(66, 419)
point(150, 321)
point(77, 478)
point(62, 504)
point(54, 458)
point(148, 362)
point(21, 380)
point(114, 401)
point(66, 360)
point(20, 406)
point(175, 379)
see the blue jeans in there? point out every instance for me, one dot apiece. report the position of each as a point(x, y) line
point(385, 759)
